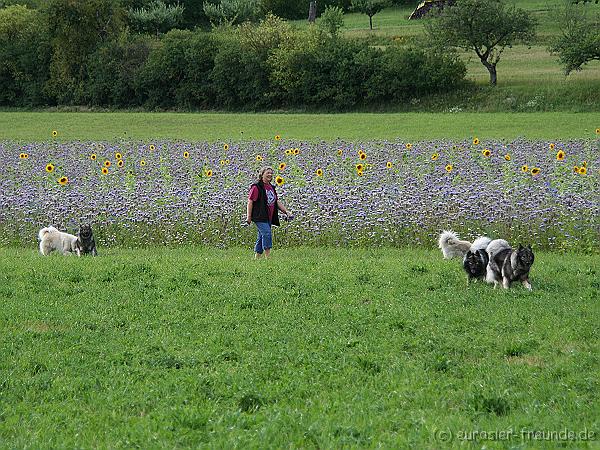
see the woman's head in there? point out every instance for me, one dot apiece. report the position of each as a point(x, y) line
point(265, 174)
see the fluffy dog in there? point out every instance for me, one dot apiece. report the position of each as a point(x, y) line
point(476, 259)
point(51, 239)
point(507, 265)
point(451, 245)
point(87, 244)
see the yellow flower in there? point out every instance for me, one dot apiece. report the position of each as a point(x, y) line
point(104, 170)
point(120, 163)
point(107, 163)
point(584, 164)
point(552, 146)
point(186, 155)
point(222, 162)
point(289, 151)
point(535, 171)
point(296, 151)
point(49, 168)
point(576, 169)
point(152, 147)
point(449, 168)
point(63, 180)
point(282, 166)
point(408, 146)
point(360, 167)
point(582, 171)
point(319, 172)
point(340, 152)
point(93, 157)
point(118, 155)
point(226, 161)
point(279, 180)
point(597, 130)
point(507, 157)
point(226, 147)
point(524, 168)
point(259, 157)
point(363, 156)
point(389, 164)
point(435, 156)
point(359, 173)
point(54, 133)
point(277, 137)
point(486, 153)
point(23, 156)
point(360, 152)
point(475, 141)
point(209, 173)
point(142, 163)
point(560, 156)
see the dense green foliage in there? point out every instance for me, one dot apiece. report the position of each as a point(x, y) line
point(198, 348)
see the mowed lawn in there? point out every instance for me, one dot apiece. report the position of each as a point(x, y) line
point(315, 348)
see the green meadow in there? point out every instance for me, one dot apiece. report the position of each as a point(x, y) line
point(314, 348)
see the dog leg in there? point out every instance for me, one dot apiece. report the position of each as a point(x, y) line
point(505, 283)
point(527, 284)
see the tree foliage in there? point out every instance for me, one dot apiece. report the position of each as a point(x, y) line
point(229, 12)
point(332, 20)
point(579, 42)
point(486, 27)
point(156, 18)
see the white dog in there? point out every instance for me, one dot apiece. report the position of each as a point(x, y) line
point(452, 246)
point(51, 239)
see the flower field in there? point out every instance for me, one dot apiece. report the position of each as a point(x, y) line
point(382, 193)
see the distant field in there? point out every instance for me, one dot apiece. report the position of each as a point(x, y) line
point(316, 348)
point(38, 126)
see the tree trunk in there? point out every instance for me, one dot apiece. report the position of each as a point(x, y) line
point(312, 11)
point(492, 70)
point(371, 23)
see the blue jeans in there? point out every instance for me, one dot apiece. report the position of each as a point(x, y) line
point(265, 237)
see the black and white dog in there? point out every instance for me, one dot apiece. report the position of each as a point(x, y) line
point(507, 265)
point(476, 259)
point(86, 241)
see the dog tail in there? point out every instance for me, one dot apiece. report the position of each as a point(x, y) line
point(447, 237)
point(44, 231)
point(480, 243)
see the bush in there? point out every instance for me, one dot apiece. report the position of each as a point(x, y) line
point(177, 71)
point(24, 57)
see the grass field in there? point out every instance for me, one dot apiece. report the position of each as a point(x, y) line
point(315, 348)
point(38, 126)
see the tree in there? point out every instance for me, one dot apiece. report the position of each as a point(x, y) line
point(580, 39)
point(486, 27)
point(228, 12)
point(369, 7)
point(156, 18)
point(332, 20)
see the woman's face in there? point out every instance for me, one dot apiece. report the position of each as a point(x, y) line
point(267, 176)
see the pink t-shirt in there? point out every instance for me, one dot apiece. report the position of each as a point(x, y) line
point(271, 198)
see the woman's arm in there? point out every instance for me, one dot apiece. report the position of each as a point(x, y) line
point(282, 208)
point(249, 211)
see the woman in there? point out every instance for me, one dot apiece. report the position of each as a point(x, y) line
point(262, 209)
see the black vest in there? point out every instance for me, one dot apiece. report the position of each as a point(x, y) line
point(260, 211)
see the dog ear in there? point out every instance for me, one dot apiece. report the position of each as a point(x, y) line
point(520, 246)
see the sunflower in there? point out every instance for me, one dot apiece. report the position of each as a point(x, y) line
point(107, 163)
point(359, 173)
point(63, 180)
point(282, 166)
point(279, 180)
point(360, 152)
point(435, 156)
point(226, 147)
point(475, 141)
point(296, 151)
point(226, 161)
point(535, 171)
point(449, 168)
point(49, 168)
point(104, 170)
point(340, 152)
point(362, 156)
point(584, 164)
point(54, 133)
point(186, 155)
point(597, 130)
point(277, 137)
point(208, 173)
point(118, 155)
point(120, 163)
point(360, 167)
point(289, 151)
point(259, 157)
point(552, 146)
point(560, 156)
point(582, 171)
point(388, 164)
point(142, 163)
point(576, 169)
point(152, 147)
point(25, 155)
point(485, 152)
point(22, 155)
point(93, 157)
point(507, 157)
point(524, 168)
point(222, 162)
point(408, 146)
point(319, 172)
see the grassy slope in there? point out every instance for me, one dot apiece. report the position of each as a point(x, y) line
point(193, 347)
point(36, 126)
